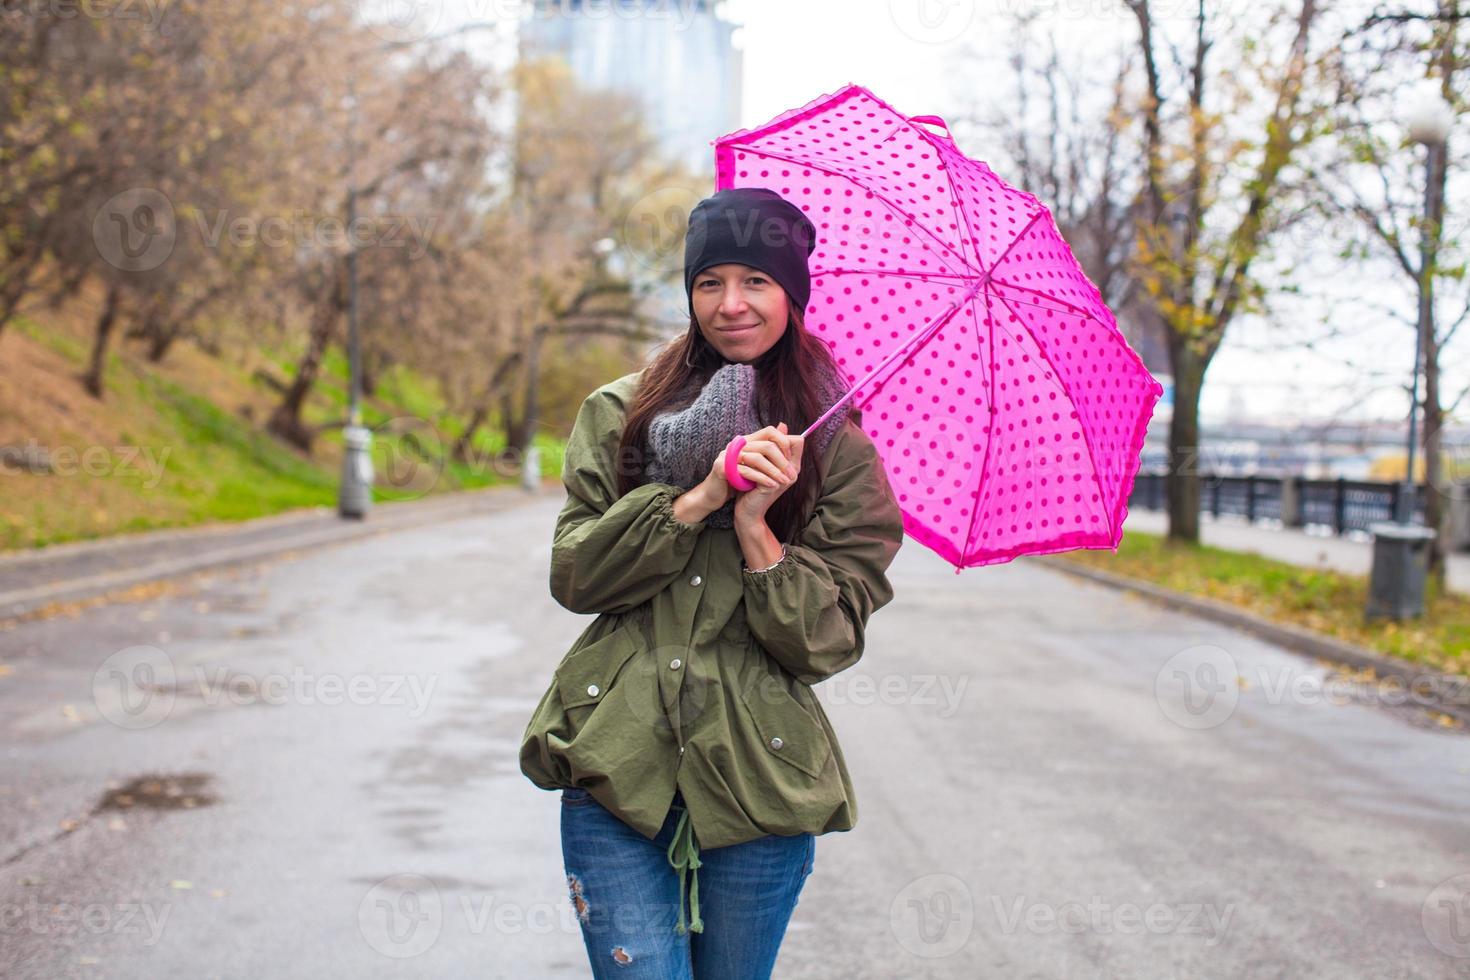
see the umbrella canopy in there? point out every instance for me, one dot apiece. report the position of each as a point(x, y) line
point(1007, 407)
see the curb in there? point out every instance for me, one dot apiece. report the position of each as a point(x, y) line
point(19, 604)
point(1443, 692)
point(298, 515)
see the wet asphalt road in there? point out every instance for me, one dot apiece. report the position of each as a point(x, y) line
point(311, 771)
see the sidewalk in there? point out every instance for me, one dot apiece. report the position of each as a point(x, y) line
point(80, 570)
point(1294, 546)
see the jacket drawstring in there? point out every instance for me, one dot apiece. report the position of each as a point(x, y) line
point(684, 856)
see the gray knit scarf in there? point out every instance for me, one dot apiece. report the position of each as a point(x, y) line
point(682, 443)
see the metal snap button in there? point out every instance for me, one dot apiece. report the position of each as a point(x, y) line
point(592, 689)
point(776, 743)
point(675, 664)
point(695, 580)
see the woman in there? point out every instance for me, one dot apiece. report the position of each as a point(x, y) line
point(695, 763)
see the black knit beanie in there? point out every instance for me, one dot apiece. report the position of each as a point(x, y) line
point(754, 226)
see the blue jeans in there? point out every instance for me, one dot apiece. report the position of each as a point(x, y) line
point(626, 896)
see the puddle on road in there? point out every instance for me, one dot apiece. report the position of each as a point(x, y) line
point(180, 791)
point(155, 791)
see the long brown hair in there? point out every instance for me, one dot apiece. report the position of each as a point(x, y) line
point(786, 391)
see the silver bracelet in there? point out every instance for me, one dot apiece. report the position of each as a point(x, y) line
point(768, 567)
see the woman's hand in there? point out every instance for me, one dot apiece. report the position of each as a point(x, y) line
point(716, 485)
point(771, 459)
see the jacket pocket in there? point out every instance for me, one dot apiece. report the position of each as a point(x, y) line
point(787, 730)
point(586, 676)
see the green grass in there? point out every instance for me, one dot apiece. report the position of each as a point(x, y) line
point(1326, 601)
point(216, 464)
point(229, 470)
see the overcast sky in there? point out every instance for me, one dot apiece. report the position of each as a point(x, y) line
point(943, 57)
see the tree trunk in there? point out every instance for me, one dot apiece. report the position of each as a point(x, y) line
point(1436, 501)
point(515, 428)
point(17, 283)
point(369, 377)
point(461, 449)
point(285, 421)
point(530, 405)
point(1436, 509)
point(106, 323)
point(1182, 483)
point(481, 410)
point(159, 343)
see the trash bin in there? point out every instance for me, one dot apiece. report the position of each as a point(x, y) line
point(1400, 564)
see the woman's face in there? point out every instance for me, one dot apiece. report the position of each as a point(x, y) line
point(741, 310)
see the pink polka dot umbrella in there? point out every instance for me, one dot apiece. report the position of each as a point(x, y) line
point(1007, 407)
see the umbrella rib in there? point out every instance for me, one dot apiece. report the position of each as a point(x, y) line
point(911, 346)
point(902, 275)
point(1102, 495)
point(915, 222)
point(1014, 241)
point(954, 202)
point(989, 428)
point(1073, 310)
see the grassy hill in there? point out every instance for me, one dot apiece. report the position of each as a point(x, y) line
point(182, 442)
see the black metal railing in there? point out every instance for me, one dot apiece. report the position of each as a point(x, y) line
point(1340, 504)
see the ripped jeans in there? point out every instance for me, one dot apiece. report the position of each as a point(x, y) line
point(627, 897)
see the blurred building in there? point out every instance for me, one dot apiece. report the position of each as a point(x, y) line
point(675, 56)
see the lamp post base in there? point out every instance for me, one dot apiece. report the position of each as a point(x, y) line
point(355, 497)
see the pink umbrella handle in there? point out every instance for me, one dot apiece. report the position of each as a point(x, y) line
point(732, 460)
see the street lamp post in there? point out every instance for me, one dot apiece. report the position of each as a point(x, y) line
point(1430, 118)
point(355, 495)
point(1401, 547)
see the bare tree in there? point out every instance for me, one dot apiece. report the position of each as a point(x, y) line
point(1212, 200)
point(1402, 211)
point(401, 127)
point(1066, 131)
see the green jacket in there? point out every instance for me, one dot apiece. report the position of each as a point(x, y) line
point(696, 672)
